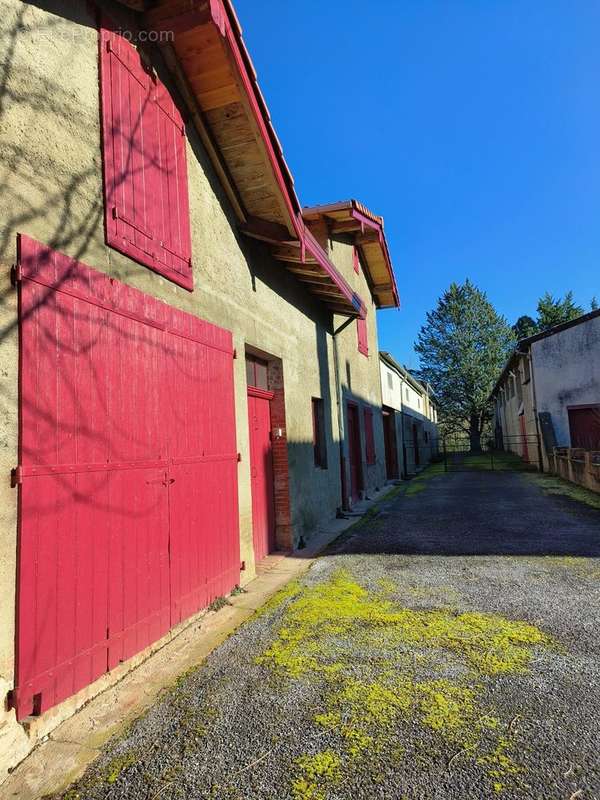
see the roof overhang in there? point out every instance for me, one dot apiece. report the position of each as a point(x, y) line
point(202, 44)
point(366, 229)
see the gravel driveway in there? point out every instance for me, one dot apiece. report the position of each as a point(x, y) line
point(448, 647)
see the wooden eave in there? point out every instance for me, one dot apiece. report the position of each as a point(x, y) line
point(203, 46)
point(353, 219)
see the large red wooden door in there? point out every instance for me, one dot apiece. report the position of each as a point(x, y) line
point(127, 474)
point(354, 453)
point(261, 472)
point(584, 427)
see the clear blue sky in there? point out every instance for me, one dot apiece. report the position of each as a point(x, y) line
point(472, 126)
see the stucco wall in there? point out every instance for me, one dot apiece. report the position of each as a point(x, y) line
point(51, 189)
point(567, 373)
point(359, 374)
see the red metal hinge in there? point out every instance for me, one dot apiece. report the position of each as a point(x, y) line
point(242, 566)
point(16, 476)
point(239, 456)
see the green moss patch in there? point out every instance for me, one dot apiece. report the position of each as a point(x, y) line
point(550, 484)
point(412, 653)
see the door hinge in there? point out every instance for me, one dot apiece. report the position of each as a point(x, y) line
point(16, 476)
point(16, 274)
point(234, 354)
point(239, 457)
point(242, 566)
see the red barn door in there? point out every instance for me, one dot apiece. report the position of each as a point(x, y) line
point(127, 477)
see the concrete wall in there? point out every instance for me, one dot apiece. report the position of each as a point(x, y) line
point(51, 189)
point(567, 373)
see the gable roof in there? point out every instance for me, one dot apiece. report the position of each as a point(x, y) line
point(203, 46)
point(353, 218)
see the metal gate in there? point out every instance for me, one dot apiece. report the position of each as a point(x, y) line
point(128, 519)
point(508, 452)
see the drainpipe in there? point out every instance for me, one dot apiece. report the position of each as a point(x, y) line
point(404, 466)
point(340, 408)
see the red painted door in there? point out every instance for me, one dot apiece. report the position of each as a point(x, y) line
point(391, 450)
point(584, 427)
point(354, 452)
point(261, 472)
point(127, 474)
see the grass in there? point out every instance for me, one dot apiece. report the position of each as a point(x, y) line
point(551, 484)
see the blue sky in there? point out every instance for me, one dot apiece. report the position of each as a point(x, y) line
point(472, 126)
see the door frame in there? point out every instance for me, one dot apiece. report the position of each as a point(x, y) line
point(390, 440)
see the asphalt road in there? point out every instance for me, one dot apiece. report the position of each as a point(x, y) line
point(447, 648)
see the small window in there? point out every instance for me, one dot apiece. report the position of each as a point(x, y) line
point(356, 260)
point(319, 442)
point(257, 373)
point(363, 339)
point(418, 402)
point(407, 394)
point(390, 379)
point(369, 437)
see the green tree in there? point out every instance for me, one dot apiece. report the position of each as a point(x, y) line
point(594, 304)
point(462, 348)
point(525, 326)
point(554, 311)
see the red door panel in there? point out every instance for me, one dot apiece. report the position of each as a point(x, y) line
point(391, 450)
point(261, 473)
point(584, 426)
point(128, 516)
point(354, 453)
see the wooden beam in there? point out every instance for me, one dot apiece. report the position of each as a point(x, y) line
point(344, 227)
point(207, 140)
point(267, 231)
point(193, 15)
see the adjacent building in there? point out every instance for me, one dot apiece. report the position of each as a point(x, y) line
point(190, 358)
point(548, 394)
point(410, 416)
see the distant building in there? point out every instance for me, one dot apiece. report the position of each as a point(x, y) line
point(548, 394)
point(409, 420)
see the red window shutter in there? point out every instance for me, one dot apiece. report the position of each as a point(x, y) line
point(356, 260)
point(363, 340)
point(145, 170)
point(369, 437)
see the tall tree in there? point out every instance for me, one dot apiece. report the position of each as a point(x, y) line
point(594, 304)
point(554, 311)
point(462, 348)
point(525, 326)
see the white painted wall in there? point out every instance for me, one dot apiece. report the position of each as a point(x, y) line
point(567, 373)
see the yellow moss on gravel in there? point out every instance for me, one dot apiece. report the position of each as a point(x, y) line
point(325, 624)
point(316, 773)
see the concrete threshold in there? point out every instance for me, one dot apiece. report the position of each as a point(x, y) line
point(64, 754)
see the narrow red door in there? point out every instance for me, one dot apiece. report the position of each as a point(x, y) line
point(261, 472)
point(389, 436)
point(354, 452)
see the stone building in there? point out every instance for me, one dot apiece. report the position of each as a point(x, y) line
point(189, 358)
